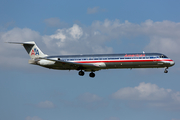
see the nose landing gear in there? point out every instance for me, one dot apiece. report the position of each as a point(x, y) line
point(166, 70)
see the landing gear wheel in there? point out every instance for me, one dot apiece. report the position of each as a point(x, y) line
point(166, 71)
point(81, 73)
point(91, 74)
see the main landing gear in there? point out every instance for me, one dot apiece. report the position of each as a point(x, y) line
point(166, 70)
point(81, 73)
point(91, 74)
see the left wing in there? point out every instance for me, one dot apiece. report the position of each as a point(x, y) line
point(78, 66)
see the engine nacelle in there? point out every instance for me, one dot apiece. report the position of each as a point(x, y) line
point(45, 62)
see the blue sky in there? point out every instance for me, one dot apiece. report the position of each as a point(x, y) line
point(31, 92)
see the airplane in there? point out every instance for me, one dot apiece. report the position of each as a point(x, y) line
point(95, 62)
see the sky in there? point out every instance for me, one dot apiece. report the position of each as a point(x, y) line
point(67, 27)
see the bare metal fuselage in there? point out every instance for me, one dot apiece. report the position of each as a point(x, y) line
point(111, 61)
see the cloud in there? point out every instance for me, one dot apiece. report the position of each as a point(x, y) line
point(33, 118)
point(15, 55)
point(74, 33)
point(75, 40)
point(17, 34)
point(145, 91)
point(150, 95)
point(164, 37)
point(45, 104)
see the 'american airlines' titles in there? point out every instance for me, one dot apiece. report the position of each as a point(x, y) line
point(136, 55)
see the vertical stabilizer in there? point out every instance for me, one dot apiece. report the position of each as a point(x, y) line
point(32, 49)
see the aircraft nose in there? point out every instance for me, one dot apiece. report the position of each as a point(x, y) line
point(172, 63)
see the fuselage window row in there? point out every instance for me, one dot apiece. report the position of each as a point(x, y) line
point(83, 59)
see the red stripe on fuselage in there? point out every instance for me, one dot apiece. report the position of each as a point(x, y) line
point(139, 60)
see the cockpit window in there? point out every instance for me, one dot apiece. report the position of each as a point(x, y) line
point(163, 56)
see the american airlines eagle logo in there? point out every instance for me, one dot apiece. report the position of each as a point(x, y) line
point(35, 52)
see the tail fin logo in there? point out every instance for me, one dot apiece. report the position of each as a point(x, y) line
point(35, 52)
